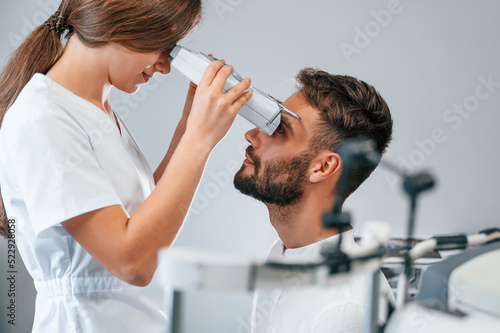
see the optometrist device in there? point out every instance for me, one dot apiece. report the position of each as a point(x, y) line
point(262, 110)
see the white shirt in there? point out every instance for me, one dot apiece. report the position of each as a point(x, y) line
point(312, 309)
point(60, 157)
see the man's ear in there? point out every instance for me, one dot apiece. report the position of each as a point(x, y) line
point(324, 166)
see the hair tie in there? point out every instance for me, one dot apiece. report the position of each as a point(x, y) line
point(57, 22)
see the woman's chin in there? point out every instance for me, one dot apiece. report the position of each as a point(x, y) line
point(132, 90)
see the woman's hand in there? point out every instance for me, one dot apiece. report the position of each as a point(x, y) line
point(213, 111)
point(188, 104)
point(206, 107)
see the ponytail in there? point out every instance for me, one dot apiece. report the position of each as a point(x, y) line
point(37, 54)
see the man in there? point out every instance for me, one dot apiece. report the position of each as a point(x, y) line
point(294, 173)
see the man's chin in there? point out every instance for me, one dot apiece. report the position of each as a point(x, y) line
point(244, 171)
point(243, 181)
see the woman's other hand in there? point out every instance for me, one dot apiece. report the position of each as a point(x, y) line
point(189, 101)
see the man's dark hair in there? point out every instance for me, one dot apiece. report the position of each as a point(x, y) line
point(349, 108)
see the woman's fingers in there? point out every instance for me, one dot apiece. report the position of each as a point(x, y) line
point(210, 73)
point(242, 100)
point(216, 76)
point(238, 89)
point(221, 77)
point(213, 111)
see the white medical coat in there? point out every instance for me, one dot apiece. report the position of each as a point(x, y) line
point(61, 156)
point(340, 308)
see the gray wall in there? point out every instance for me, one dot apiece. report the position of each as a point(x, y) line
point(427, 58)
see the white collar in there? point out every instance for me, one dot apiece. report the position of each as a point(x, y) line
point(312, 252)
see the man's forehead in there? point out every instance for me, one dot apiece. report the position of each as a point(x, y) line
point(298, 105)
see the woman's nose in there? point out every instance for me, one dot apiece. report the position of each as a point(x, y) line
point(163, 65)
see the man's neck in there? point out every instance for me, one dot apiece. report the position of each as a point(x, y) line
point(300, 224)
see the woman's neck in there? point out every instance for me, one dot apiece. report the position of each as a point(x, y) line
point(81, 70)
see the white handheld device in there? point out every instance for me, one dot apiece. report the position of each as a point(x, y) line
point(262, 110)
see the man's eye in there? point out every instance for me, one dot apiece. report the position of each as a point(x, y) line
point(280, 129)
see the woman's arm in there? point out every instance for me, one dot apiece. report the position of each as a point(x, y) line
point(179, 131)
point(128, 247)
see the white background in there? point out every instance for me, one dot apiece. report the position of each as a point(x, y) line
point(425, 58)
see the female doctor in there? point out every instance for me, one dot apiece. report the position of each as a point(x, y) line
point(90, 215)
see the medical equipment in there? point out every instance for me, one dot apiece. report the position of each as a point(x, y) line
point(459, 294)
point(262, 110)
point(185, 270)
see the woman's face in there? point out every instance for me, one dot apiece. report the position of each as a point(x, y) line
point(127, 69)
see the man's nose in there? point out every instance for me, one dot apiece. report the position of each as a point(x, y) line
point(253, 138)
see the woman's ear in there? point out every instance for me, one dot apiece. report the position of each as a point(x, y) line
point(324, 166)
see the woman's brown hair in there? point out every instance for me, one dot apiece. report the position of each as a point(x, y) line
point(139, 25)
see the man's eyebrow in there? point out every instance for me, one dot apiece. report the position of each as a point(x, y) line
point(286, 122)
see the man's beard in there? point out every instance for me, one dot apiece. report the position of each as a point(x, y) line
point(281, 183)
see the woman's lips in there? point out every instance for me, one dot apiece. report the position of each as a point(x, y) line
point(146, 77)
